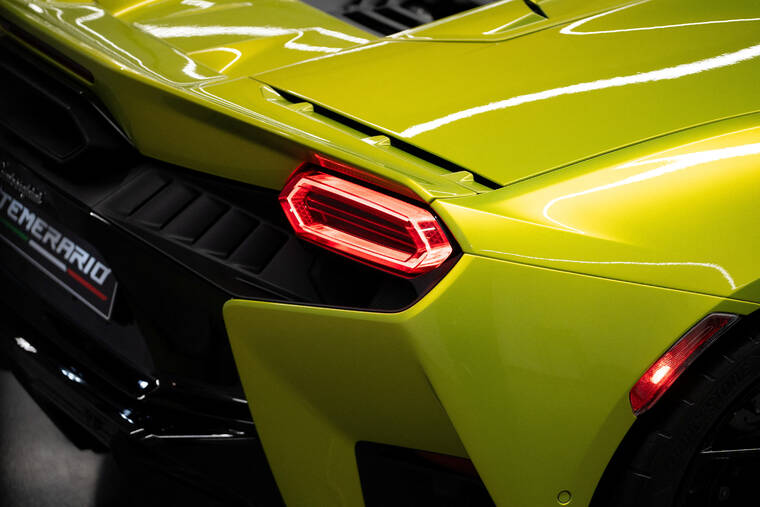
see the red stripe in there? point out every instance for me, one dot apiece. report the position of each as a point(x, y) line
point(87, 285)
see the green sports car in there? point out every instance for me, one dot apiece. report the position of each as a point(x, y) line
point(390, 252)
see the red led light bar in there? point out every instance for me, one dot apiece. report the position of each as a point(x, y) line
point(364, 224)
point(661, 375)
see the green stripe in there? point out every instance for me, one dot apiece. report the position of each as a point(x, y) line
point(14, 229)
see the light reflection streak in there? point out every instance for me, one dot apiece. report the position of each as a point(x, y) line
point(308, 47)
point(235, 52)
point(341, 53)
point(125, 414)
point(201, 4)
point(570, 29)
point(97, 13)
point(21, 342)
point(700, 157)
point(71, 375)
point(673, 163)
point(338, 35)
point(702, 141)
point(190, 69)
point(292, 44)
point(132, 7)
point(720, 269)
point(678, 71)
point(177, 32)
point(511, 23)
point(184, 31)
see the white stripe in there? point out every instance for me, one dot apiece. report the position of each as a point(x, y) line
point(47, 255)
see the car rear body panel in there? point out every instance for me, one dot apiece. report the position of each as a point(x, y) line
point(674, 212)
point(522, 356)
point(489, 107)
point(518, 108)
point(531, 366)
point(243, 38)
point(180, 111)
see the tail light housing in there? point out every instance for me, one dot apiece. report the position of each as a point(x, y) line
point(661, 375)
point(365, 224)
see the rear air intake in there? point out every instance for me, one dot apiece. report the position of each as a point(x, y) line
point(363, 223)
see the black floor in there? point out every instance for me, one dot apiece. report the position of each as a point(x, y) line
point(39, 467)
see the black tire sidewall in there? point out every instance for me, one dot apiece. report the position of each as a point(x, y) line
point(654, 462)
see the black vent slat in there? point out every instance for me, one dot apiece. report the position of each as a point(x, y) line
point(260, 247)
point(187, 214)
point(195, 219)
point(226, 234)
point(165, 205)
point(202, 227)
point(376, 21)
point(238, 237)
point(137, 192)
point(403, 16)
point(164, 228)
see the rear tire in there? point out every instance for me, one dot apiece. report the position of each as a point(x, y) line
point(700, 445)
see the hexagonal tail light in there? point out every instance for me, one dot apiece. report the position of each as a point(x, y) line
point(365, 224)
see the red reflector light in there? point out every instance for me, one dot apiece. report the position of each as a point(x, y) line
point(661, 375)
point(364, 224)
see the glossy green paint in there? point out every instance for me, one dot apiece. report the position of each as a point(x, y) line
point(626, 143)
point(491, 22)
point(518, 121)
point(532, 366)
point(674, 212)
point(243, 38)
point(515, 109)
point(181, 111)
point(504, 20)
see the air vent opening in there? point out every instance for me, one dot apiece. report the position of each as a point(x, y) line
point(386, 17)
point(21, 108)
